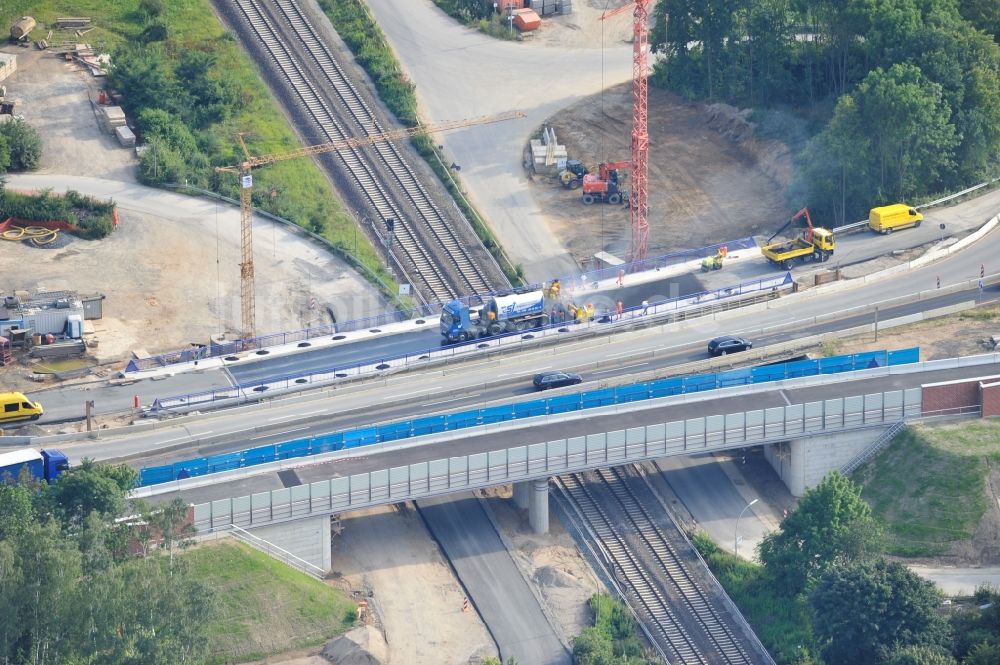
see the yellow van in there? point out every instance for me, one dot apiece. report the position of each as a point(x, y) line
point(891, 218)
point(15, 406)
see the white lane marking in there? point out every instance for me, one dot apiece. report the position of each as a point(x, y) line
point(623, 353)
point(455, 399)
point(618, 369)
point(289, 431)
point(288, 417)
point(785, 397)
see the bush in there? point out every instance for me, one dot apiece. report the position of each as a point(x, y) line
point(93, 217)
point(4, 155)
point(154, 33)
point(24, 145)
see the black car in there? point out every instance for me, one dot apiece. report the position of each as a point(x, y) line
point(547, 380)
point(720, 346)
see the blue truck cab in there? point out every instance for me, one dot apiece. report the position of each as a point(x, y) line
point(456, 324)
point(43, 464)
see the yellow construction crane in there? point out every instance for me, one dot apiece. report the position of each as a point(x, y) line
point(247, 294)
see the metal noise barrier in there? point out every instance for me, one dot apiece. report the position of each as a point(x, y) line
point(582, 401)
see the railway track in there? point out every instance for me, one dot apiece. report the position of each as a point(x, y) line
point(438, 259)
point(653, 567)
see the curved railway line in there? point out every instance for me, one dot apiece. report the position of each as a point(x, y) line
point(655, 568)
point(439, 260)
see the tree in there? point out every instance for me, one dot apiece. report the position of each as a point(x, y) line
point(4, 156)
point(983, 653)
point(920, 655)
point(90, 488)
point(861, 611)
point(143, 72)
point(831, 525)
point(24, 145)
point(17, 510)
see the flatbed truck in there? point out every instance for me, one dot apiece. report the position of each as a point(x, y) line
point(815, 244)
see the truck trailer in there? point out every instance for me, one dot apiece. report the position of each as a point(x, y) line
point(498, 315)
point(41, 465)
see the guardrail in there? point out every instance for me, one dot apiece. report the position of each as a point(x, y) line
point(541, 460)
point(426, 311)
point(435, 424)
point(863, 224)
point(660, 312)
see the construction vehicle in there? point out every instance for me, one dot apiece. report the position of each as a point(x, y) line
point(515, 312)
point(606, 184)
point(814, 244)
point(887, 219)
point(714, 262)
point(571, 177)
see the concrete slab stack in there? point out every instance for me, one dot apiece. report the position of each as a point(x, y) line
point(126, 138)
point(110, 118)
point(8, 65)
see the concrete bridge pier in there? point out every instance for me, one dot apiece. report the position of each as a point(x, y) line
point(802, 463)
point(522, 494)
point(533, 496)
point(538, 507)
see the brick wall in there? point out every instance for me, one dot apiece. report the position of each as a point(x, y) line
point(940, 397)
point(990, 395)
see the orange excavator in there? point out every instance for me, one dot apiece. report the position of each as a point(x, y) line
point(606, 184)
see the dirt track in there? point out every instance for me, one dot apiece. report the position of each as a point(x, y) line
point(704, 187)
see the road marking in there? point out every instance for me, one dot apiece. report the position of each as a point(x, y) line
point(288, 431)
point(455, 399)
point(180, 438)
point(618, 369)
point(623, 353)
point(419, 392)
point(785, 397)
point(293, 415)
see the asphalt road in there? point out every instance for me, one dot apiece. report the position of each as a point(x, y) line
point(418, 394)
point(489, 574)
point(68, 403)
point(381, 456)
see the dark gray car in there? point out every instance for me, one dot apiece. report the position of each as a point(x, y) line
point(547, 380)
point(720, 346)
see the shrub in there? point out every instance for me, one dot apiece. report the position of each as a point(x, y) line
point(24, 145)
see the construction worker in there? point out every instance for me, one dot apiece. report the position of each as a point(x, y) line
point(645, 307)
point(620, 308)
point(555, 289)
point(621, 277)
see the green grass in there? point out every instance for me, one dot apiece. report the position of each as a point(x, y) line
point(929, 486)
point(265, 607)
point(300, 191)
point(783, 625)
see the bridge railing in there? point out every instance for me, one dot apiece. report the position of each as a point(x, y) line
point(428, 311)
point(541, 460)
point(435, 424)
point(662, 312)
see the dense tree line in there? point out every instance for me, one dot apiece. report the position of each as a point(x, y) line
point(903, 96)
point(867, 610)
point(71, 591)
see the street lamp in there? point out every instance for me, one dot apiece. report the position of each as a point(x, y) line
point(736, 536)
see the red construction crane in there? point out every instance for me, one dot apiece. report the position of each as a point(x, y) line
point(638, 200)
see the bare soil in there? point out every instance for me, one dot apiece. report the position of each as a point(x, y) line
point(552, 562)
point(386, 556)
point(710, 180)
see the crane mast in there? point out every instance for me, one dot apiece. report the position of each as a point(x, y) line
point(639, 197)
point(248, 297)
point(639, 201)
